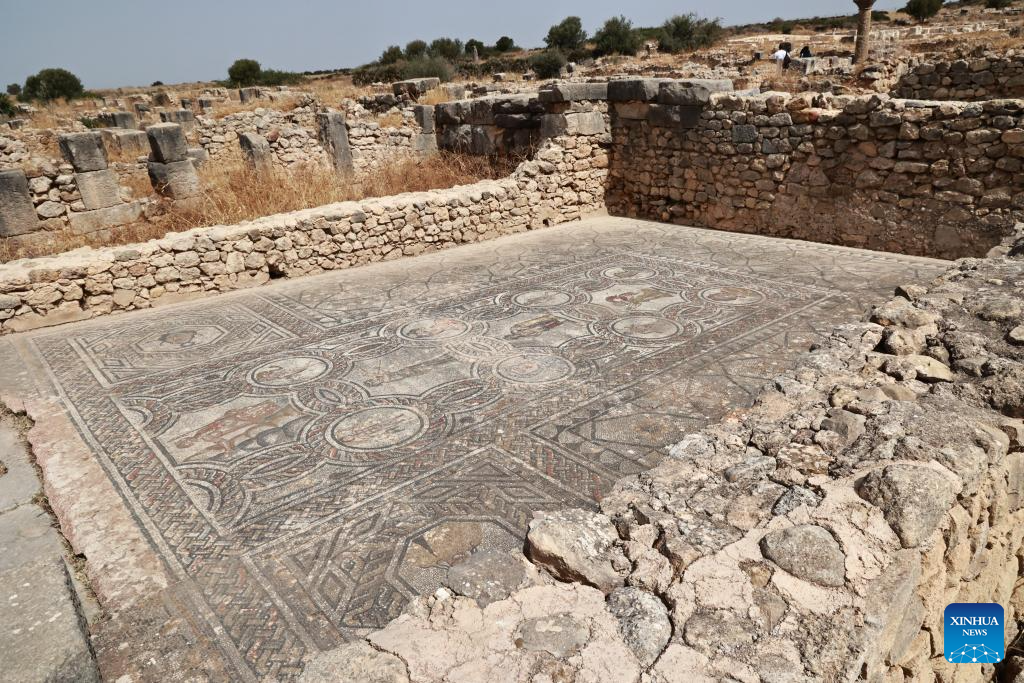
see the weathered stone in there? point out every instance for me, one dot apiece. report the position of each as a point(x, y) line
point(333, 134)
point(17, 214)
point(99, 189)
point(576, 545)
point(633, 89)
point(913, 498)
point(256, 151)
point(177, 180)
point(167, 143)
point(807, 551)
point(573, 92)
point(643, 622)
point(561, 635)
point(357, 661)
point(487, 576)
point(695, 92)
point(85, 222)
point(84, 150)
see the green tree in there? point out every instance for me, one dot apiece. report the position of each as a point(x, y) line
point(474, 43)
point(548, 64)
point(688, 32)
point(415, 49)
point(51, 84)
point(505, 44)
point(245, 72)
point(617, 37)
point(922, 10)
point(997, 4)
point(14, 89)
point(391, 55)
point(567, 35)
point(426, 67)
point(7, 105)
point(446, 48)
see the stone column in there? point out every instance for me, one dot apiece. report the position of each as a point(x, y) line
point(17, 215)
point(426, 140)
point(119, 119)
point(333, 134)
point(248, 94)
point(184, 117)
point(257, 152)
point(97, 184)
point(170, 169)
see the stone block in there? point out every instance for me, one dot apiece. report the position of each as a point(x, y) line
point(631, 110)
point(425, 143)
point(248, 94)
point(119, 119)
point(424, 114)
point(85, 222)
point(674, 116)
point(177, 180)
point(332, 132)
point(162, 99)
point(125, 141)
point(167, 143)
point(573, 92)
point(84, 150)
point(256, 151)
point(141, 109)
point(99, 189)
point(691, 92)
point(634, 89)
point(585, 123)
point(17, 215)
point(184, 117)
point(198, 155)
point(414, 87)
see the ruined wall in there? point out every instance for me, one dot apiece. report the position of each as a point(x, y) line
point(927, 178)
point(564, 181)
point(816, 537)
point(292, 136)
point(987, 77)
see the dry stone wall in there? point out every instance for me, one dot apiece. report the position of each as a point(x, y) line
point(817, 536)
point(941, 179)
point(564, 181)
point(986, 77)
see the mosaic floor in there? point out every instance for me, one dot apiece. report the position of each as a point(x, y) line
point(307, 456)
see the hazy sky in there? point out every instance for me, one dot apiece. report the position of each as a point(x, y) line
point(110, 43)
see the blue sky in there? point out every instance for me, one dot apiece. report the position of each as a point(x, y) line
point(110, 43)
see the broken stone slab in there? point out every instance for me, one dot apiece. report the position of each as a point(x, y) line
point(17, 214)
point(414, 87)
point(573, 92)
point(99, 189)
point(85, 222)
point(84, 150)
point(808, 552)
point(634, 89)
point(643, 622)
point(487, 576)
point(125, 141)
point(332, 132)
point(577, 545)
point(913, 498)
point(692, 92)
point(923, 368)
point(176, 180)
point(560, 635)
point(184, 117)
point(256, 151)
point(577, 123)
point(674, 116)
point(357, 661)
point(167, 143)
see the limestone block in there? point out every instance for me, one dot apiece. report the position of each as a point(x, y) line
point(256, 151)
point(634, 89)
point(162, 99)
point(119, 119)
point(414, 87)
point(17, 215)
point(248, 94)
point(691, 92)
point(177, 180)
point(167, 143)
point(573, 92)
point(84, 150)
point(84, 222)
point(181, 116)
point(99, 189)
point(332, 132)
point(424, 114)
point(198, 155)
point(674, 116)
point(125, 141)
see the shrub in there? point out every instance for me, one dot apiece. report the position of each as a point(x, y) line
point(244, 72)
point(155, 84)
point(689, 32)
point(275, 77)
point(13, 89)
point(474, 43)
point(568, 35)
point(548, 64)
point(90, 122)
point(426, 67)
point(7, 107)
point(922, 9)
point(617, 37)
point(446, 48)
point(505, 44)
point(415, 48)
point(391, 55)
point(997, 4)
point(51, 84)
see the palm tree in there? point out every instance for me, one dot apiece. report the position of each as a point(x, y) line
point(860, 52)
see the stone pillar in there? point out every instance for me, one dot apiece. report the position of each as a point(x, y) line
point(97, 184)
point(17, 214)
point(184, 117)
point(257, 151)
point(426, 140)
point(170, 169)
point(119, 119)
point(248, 94)
point(206, 104)
point(333, 134)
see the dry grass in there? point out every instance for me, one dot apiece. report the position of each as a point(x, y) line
point(284, 102)
point(392, 119)
point(332, 90)
point(435, 96)
point(233, 193)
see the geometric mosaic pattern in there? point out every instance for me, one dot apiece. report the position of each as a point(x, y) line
point(308, 456)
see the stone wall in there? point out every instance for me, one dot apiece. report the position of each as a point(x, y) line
point(564, 181)
point(292, 136)
point(987, 77)
point(817, 536)
point(942, 179)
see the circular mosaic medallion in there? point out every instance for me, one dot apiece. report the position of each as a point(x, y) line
point(433, 329)
point(629, 273)
point(289, 371)
point(645, 327)
point(529, 368)
point(376, 428)
point(541, 298)
point(732, 296)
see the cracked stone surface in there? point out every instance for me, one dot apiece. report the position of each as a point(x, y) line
point(305, 458)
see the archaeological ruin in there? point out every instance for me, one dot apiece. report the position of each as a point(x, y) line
point(702, 376)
